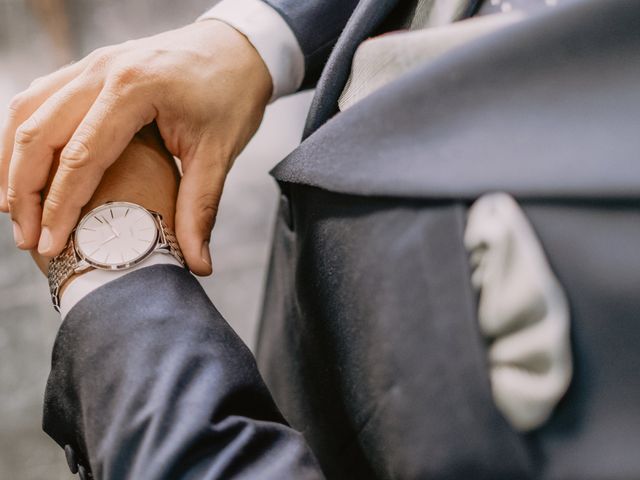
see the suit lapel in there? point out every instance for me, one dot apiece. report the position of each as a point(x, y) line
point(500, 114)
point(366, 17)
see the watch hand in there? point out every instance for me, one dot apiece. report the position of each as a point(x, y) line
point(111, 227)
point(108, 240)
point(101, 244)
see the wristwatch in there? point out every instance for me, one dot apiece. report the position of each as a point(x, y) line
point(113, 236)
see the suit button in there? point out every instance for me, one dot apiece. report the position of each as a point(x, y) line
point(83, 473)
point(72, 461)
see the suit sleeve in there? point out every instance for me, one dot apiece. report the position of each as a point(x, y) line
point(149, 381)
point(317, 25)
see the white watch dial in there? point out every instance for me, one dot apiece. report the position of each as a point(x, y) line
point(116, 235)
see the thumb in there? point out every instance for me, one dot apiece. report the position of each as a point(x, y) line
point(198, 198)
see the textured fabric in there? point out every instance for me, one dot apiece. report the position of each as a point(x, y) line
point(519, 394)
point(394, 385)
point(523, 312)
point(92, 280)
point(592, 247)
point(436, 13)
point(370, 341)
point(271, 37)
point(545, 110)
point(377, 62)
point(502, 114)
point(490, 7)
point(380, 60)
point(149, 382)
point(366, 18)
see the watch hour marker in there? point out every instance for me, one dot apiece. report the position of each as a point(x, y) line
point(127, 212)
point(99, 220)
point(111, 212)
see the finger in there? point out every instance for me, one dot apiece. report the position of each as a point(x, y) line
point(20, 108)
point(102, 136)
point(198, 198)
point(47, 130)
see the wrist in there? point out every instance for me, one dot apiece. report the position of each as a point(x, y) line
point(145, 174)
point(272, 38)
point(225, 45)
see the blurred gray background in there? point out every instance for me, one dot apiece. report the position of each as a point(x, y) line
point(36, 37)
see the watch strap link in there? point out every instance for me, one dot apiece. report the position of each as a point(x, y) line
point(61, 268)
point(170, 240)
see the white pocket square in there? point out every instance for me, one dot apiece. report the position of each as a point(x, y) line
point(523, 312)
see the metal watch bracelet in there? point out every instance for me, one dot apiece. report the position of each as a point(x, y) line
point(63, 266)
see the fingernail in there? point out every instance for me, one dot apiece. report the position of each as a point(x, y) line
point(206, 254)
point(45, 241)
point(3, 198)
point(17, 234)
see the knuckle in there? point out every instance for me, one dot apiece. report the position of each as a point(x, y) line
point(208, 206)
point(36, 81)
point(27, 133)
point(125, 76)
point(53, 203)
point(99, 59)
point(75, 155)
point(18, 201)
point(210, 211)
point(17, 105)
point(12, 197)
point(59, 203)
point(102, 54)
point(110, 98)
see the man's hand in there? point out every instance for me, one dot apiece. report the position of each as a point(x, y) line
point(204, 85)
point(145, 173)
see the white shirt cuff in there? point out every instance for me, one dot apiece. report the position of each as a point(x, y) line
point(271, 37)
point(90, 281)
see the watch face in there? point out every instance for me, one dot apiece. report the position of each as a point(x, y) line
point(116, 235)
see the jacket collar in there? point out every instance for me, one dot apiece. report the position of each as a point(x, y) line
point(546, 108)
